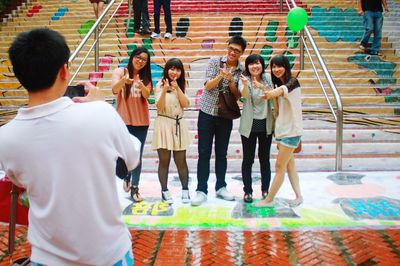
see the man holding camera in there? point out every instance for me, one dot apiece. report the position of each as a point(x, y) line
point(64, 154)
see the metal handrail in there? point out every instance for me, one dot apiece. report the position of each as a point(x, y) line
point(94, 29)
point(339, 107)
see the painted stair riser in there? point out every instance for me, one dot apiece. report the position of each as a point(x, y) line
point(302, 165)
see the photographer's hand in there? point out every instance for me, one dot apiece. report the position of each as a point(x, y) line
point(92, 93)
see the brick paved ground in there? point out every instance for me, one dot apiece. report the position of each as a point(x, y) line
point(217, 247)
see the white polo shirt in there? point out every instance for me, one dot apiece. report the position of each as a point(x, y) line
point(65, 155)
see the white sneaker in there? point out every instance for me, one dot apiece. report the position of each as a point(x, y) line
point(167, 35)
point(155, 35)
point(225, 194)
point(200, 198)
point(166, 197)
point(185, 196)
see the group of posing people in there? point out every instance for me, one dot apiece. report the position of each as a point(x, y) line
point(64, 152)
point(271, 106)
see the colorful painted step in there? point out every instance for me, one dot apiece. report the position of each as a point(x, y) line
point(59, 13)
point(86, 27)
point(33, 10)
point(105, 63)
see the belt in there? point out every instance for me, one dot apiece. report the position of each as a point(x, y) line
point(177, 125)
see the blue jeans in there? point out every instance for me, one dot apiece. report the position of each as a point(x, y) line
point(373, 22)
point(208, 127)
point(166, 4)
point(141, 133)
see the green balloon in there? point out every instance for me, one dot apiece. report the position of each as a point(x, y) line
point(297, 18)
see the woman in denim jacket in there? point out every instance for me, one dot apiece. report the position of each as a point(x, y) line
point(256, 122)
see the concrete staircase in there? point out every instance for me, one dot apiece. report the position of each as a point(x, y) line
point(391, 23)
point(369, 88)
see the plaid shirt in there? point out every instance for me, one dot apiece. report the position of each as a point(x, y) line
point(208, 102)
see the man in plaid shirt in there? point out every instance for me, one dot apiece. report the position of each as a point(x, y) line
point(222, 73)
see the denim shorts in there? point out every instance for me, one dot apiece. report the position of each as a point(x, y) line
point(291, 142)
point(127, 260)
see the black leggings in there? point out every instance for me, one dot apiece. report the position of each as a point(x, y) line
point(249, 149)
point(163, 167)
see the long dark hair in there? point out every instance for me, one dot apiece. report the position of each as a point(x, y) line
point(281, 60)
point(252, 59)
point(144, 73)
point(175, 63)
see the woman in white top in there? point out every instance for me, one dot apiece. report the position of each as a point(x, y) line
point(288, 128)
point(170, 129)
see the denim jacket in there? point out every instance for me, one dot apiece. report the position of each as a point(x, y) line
point(246, 120)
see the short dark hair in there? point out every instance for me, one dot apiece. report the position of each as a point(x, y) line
point(175, 63)
point(238, 40)
point(253, 58)
point(37, 56)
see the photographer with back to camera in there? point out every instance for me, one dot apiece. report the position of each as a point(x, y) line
point(64, 154)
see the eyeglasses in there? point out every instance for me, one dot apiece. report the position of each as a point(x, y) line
point(234, 50)
point(140, 59)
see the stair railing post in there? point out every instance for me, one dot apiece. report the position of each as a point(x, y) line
point(301, 38)
point(128, 22)
point(339, 140)
point(96, 49)
point(281, 6)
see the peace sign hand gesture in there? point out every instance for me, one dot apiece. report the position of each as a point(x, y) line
point(226, 72)
point(244, 80)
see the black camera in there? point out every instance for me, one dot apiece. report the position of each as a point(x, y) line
point(75, 91)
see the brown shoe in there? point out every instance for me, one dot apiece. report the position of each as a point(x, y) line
point(135, 194)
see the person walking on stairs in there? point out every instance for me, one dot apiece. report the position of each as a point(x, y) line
point(98, 6)
point(141, 20)
point(222, 73)
point(371, 10)
point(132, 86)
point(166, 5)
point(171, 133)
point(288, 128)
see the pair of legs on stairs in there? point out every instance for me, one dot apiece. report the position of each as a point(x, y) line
point(164, 156)
point(284, 162)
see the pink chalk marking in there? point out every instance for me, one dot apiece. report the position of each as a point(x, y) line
point(207, 44)
point(355, 191)
point(273, 222)
point(251, 223)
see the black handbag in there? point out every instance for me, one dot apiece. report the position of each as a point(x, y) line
point(228, 107)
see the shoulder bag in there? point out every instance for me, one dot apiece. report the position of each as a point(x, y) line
point(228, 107)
